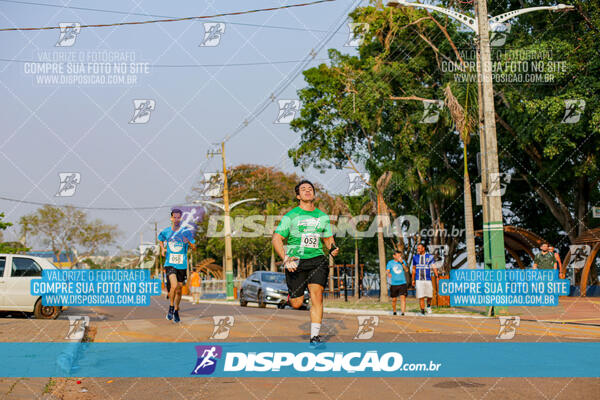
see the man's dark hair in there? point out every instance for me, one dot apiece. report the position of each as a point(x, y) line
point(176, 211)
point(397, 252)
point(302, 182)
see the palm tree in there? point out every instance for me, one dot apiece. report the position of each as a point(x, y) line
point(382, 211)
point(464, 125)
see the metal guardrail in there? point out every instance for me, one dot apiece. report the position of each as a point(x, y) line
point(217, 285)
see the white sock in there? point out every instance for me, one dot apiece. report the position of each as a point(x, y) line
point(314, 329)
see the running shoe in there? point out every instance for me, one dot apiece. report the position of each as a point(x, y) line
point(422, 312)
point(176, 316)
point(315, 342)
point(395, 313)
point(170, 313)
point(402, 314)
point(428, 310)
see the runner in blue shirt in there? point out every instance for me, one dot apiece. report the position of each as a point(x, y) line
point(422, 266)
point(177, 242)
point(395, 271)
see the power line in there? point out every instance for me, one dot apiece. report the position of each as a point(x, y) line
point(180, 65)
point(290, 28)
point(37, 203)
point(291, 76)
point(174, 19)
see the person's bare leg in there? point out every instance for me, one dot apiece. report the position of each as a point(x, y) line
point(403, 304)
point(422, 303)
point(178, 290)
point(173, 282)
point(316, 299)
point(296, 302)
point(394, 300)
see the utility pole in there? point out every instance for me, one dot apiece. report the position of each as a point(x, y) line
point(493, 228)
point(228, 256)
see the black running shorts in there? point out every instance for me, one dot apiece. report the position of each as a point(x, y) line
point(181, 274)
point(310, 270)
point(398, 290)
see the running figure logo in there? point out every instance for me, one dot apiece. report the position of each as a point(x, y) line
point(287, 111)
point(68, 34)
point(222, 326)
point(499, 33)
point(579, 255)
point(207, 359)
point(573, 111)
point(508, 327)
point(356, 36)
point(431, 111)
point(357, 183)
point(212, 34)
point(77, 325)
point(498, 183)
point(213, 184)
point(366, 326)
point(142, 110)
point(68, 183)
point(438, 252)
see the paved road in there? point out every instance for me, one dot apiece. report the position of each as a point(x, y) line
point(252, 324)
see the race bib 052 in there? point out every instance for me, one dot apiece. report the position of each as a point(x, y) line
point(310, 240)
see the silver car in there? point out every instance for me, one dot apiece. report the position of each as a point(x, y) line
point(265, 287)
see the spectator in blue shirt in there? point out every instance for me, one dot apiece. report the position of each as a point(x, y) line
point(395, 272)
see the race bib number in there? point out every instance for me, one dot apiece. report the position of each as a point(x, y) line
point(176, 258)
point(310, 240)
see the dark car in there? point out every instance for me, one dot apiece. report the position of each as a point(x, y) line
point(265, 287)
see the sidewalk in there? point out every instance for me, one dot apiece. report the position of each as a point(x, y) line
point(571, 310)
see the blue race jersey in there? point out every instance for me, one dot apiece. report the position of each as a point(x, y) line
point(176, 247)
point(423, 265)
point(397, 271)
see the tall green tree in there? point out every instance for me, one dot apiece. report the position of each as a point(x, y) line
point(68, 229)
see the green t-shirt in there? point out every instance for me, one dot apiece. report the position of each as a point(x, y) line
point(544, 261)
point(304, 231)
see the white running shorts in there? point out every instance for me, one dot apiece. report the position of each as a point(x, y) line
point(424, 289)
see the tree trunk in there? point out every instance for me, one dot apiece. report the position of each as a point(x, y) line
point(383, 296)
point(469, 228)
point(582, 204)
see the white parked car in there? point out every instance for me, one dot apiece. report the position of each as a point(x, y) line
point(16, 273)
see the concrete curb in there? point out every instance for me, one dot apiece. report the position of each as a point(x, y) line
point(354, 311)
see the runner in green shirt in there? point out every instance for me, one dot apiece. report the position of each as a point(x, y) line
point(306, 229)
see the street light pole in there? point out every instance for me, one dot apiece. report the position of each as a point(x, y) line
point(227, 227)
point(493, 230)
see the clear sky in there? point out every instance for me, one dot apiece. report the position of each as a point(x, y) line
point(50, 128)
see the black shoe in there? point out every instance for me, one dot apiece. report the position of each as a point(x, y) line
point(402, 314)
point(315, 342)
point(395, 313)
point(170, 313)
point(422, 312)
point(176, 318)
